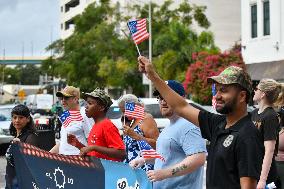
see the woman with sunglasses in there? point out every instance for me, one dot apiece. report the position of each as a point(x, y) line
point(135, 130)
point(266, 120)
point(22, 128)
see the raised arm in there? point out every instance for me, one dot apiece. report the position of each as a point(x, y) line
point(188, 165)
point(178, 103)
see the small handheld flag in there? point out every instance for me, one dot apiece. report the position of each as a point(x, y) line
point(134, 110)
point(147, 151)
point(68, 116)
point(214, 92)
point(138, 30)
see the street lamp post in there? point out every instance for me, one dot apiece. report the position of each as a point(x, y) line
point(3, 73)
point(150, 46)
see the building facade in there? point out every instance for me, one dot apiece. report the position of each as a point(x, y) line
point(68, 10)
point(262, 38)
point(224, 15)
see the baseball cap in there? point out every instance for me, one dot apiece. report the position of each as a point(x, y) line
point(174, 85)
point(69, 91)
point(101, 94)
point(233, 75)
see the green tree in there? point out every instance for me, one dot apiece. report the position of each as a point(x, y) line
point(28, 74)
point(96, 55)
point(11, 75)
point(21, 74)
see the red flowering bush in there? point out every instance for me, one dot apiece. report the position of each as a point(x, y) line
point(207, 65)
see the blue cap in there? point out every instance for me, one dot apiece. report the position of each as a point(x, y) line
point(174, 85)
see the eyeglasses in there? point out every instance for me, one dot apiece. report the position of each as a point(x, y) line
point(66, 97)
point(160, 99)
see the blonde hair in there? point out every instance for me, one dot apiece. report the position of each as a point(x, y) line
point(274, 91)
point(128, 98)
point(280, 100)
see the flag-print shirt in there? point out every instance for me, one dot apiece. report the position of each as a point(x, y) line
point(80, 129)
point(133, 150)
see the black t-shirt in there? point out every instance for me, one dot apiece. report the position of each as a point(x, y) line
point(233, 153)
point(267, 123)
point(281, 116)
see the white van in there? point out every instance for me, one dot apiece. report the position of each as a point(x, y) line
point(40, 101)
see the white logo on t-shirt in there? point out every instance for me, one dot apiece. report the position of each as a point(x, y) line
point(94, 139)
point(227, 142)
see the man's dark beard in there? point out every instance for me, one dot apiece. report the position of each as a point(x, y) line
point(229, 107)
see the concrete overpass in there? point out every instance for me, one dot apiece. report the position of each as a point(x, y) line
point(22, 60)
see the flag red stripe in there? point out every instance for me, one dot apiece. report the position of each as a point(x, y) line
point(142, 39)
point(141, 21)
point(139, 34)
point(142, 26)
point(74, 116)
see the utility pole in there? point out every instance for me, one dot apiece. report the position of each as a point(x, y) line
point(3, 74)
point(32, 48)
point(23, 52)
point(150, 46)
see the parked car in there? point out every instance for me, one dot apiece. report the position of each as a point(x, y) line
point(5, 121)
point(151, 106)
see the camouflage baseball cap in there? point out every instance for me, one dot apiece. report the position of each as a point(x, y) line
point(233, 75)
point(101, 94)
point(69, 91)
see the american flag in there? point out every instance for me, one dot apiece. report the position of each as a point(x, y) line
point(68, 116)
point(134, 110)
point(147, 151)
point(214, 92)
point(138, 30)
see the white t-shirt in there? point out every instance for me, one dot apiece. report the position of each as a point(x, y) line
point(80, 129)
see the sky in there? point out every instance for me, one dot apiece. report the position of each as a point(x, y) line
point(28, 26)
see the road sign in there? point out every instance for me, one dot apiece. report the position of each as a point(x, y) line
point(21, 94)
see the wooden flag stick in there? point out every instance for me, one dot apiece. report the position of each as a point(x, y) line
point(137, 48)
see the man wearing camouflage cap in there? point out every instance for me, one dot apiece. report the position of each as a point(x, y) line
point(104, 140)
point(235, 152)
point(81, 127)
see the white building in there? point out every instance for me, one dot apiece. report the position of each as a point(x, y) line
point(263, 37)
point(68, 10)
point(225, 19)
point(224, 15)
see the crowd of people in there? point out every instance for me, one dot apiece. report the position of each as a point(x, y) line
point(244, 150)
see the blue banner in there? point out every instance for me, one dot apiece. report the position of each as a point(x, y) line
point(40, 169)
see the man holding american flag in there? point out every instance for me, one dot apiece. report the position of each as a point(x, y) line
point(181, 151)
point(73, 122)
